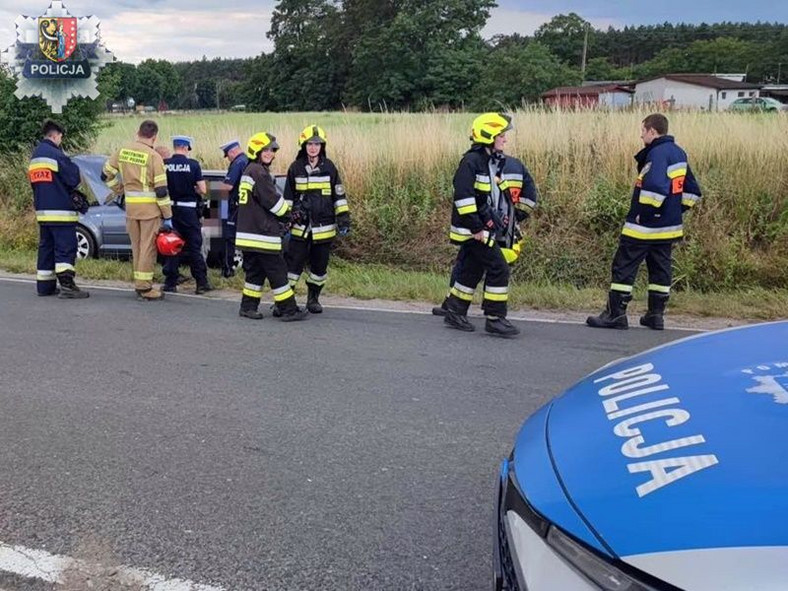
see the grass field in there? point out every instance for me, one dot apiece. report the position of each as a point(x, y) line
point(398, 170)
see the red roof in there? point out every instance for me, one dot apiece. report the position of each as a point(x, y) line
point(586, 90)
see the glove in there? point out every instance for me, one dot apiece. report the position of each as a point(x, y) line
point(296, 217)
point(166, 225)
point(343, 224)
point(79, 201)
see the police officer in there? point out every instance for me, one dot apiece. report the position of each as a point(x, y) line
point(186, 187)
point(229, 212)
point(320, 211)
point(262, 213)
point(516, 199)
point(148, 205)
point(665, 188)
point(474, 224)
point(53, 177)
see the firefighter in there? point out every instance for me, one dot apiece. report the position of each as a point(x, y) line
point(664, 190)
point(315, 191)
point(517, 197)
point(54, 177)
point(262, 215)
point(147, 202)
point(474, 225)
point(186, 187)
point(229, 214)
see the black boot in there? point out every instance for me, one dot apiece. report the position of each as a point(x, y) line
point(442, 309)
point(69, 289)
point(615, 314)
point(249, 308)
point(654, 318)
point(276, 312)
point(294, 314)
point(458, 320)
point(501, 327)
point(203, 288)
point(312, 303)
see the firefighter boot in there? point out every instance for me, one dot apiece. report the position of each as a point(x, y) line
point(500, 327)
point(294, 314)
point(654, 318)
point(149, 295)
point(249, 308)
point(69, 289)
point(614, 315)
point(312, 303)
point(457, 316)
point(203, 288)
point(442, 309)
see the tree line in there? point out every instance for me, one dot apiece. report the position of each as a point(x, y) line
point(420, 54)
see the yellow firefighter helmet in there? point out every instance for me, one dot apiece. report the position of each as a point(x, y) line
point(513, 253)
point(487, 126)
point(258, 142)
point(312, 133)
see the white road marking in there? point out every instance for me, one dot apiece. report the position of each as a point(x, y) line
point(38, 564)
point(513, 316)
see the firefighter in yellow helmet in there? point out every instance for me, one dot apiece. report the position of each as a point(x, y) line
point(261, 216)
point(320, 213)
point(475, 223)
point(514, 201)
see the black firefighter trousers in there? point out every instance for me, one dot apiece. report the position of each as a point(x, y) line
point(629, 256)
point(317, 253)
point(260, 266)
point(480, 260)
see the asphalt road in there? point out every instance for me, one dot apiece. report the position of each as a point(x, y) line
point(357, 450)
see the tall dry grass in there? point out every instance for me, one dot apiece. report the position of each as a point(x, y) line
point(398, 170)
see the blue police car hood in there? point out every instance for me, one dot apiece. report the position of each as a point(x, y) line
point(681, 448)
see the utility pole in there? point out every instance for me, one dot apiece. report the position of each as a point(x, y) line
point(585, 52)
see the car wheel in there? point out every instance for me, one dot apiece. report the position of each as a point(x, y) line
point(238, 260)
point(86, 244)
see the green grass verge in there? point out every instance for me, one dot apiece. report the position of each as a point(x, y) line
point(370, 281)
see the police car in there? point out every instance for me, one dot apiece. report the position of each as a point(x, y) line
point(667, 470)
point(102, 230)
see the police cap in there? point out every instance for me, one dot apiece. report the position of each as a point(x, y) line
point(230, 145)
point(182, 141)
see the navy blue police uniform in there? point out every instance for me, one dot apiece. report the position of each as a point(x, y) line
point(53, 177)
point(183, 173)
point(233, 178)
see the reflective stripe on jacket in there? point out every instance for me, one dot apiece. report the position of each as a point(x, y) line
point(53, 176)
point(664, 189)
point(319, 193)
point(138, 171)
point(261, 211)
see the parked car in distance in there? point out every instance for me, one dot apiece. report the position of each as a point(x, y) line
point(101, 232)
point(760, 103)
point(665, 471)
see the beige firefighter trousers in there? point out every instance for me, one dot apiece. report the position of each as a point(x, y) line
point(143, 250)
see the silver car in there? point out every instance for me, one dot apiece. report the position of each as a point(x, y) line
point(101, 232)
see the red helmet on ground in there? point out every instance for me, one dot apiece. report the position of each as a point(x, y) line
point(169, 243)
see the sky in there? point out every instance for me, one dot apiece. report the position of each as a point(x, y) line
point(182, 30)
